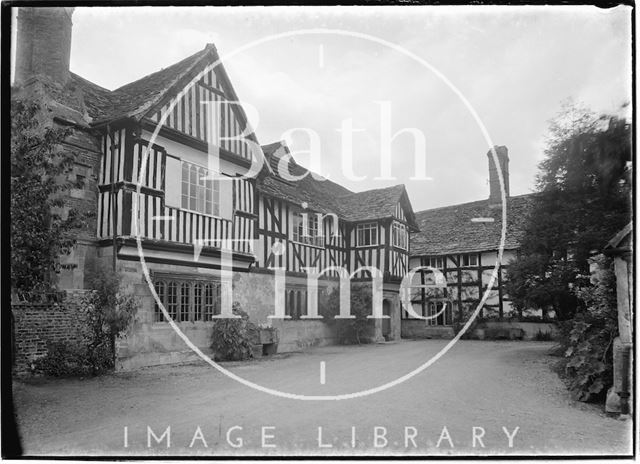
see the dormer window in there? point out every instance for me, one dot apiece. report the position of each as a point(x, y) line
point(367, 234)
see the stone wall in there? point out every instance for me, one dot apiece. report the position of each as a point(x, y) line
point(151, 343)
point(530, 329)
point(35, 326)
point(417, 328)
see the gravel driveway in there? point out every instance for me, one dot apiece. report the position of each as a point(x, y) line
point(482, 397)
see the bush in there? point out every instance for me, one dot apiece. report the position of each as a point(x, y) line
point(358, 330)
point(231, 339)
point(543, 336)
point(64, 360)
point(587, 339)
point(108, 313)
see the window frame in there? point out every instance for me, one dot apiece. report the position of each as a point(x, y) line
point(468, 257)
point(298, 229)
point(367, 226)
point(171, 291)
point(216, 206)
point(399, 230)
point(432, 261)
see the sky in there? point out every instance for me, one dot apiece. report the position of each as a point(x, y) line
point(512, 65)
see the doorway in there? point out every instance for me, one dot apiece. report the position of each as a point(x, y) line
point(386, 322)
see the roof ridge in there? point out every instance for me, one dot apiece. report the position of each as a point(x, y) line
point(522, 195)
point(176, 64)
point(87, 81)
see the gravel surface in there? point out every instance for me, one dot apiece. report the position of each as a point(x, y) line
point(481, 388)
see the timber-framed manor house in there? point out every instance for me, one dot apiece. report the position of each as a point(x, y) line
point(296, 225)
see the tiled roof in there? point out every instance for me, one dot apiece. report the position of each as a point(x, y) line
point(137, 97)
point(97, 104)
point(320, 195)
point(326, 196)
point(451, 230)
point(372, 204)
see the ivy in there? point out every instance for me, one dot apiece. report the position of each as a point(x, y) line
point(358, 329)
point(108, 312)
point(42, 228)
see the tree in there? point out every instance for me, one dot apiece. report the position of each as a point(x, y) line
point(349, 330)
point(110, 312)
point(41, 229)
point(583, 199)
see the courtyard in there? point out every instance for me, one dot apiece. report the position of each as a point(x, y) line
point(482, 397)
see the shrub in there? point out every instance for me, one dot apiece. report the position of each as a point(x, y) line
point(357, 330)
point(108, 313)
point(543, 336)
point(64, 360)
point(231, 339)
point(588, 338)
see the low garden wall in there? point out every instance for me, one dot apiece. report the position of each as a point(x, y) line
point(37, 325)
point(530, 330)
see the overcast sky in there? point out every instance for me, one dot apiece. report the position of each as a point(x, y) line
point(514, 65)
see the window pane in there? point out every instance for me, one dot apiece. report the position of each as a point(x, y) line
point(184, 302)
point(161, 289)
point(172, 300)
point(198, 302)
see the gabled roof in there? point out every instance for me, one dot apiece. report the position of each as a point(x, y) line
point(134, 100)
point(138, 97)
point(451, 230)
point(325, 196)
point(376, 204)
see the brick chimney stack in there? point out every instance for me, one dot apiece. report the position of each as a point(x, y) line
point(43, 45)
point(495, 195)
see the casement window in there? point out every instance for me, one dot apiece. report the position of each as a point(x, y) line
point(295, 302)
point(307, 231)
point(468, 260)
point(399, 236)
point(187, 300)
point(200, 193)
point(367, 234)
point(192, 187)
point(435, 262)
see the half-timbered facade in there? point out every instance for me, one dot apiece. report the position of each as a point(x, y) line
point(178, 182)
point(462, 242)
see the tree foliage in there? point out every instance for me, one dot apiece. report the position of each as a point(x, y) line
point(583, 199)
point(588, 338)
point(358, 329)
point(41, 229)
point(108, 312)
